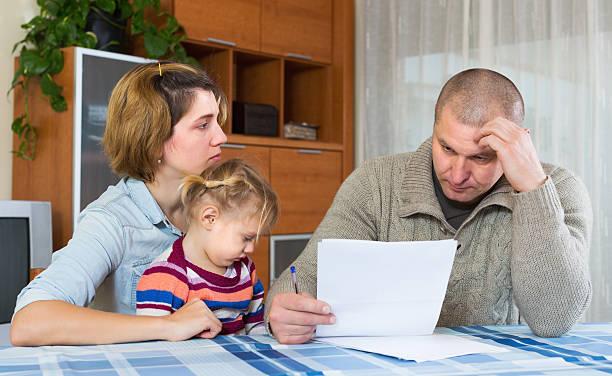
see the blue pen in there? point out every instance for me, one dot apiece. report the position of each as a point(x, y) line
point(294, 279)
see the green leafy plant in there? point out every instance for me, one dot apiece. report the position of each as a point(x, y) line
point(62, 23)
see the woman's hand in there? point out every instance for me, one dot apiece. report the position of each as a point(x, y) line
point(191, 320)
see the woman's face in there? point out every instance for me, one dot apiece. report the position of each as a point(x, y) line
point(196, 139)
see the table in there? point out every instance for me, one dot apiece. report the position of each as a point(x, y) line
point(587, 349)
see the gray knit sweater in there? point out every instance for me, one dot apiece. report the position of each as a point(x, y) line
point(522, 254)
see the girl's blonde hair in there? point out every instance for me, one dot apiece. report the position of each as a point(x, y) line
point(230, 185)
point(144, 106)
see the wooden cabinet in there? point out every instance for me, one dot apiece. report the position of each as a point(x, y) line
point(228, 22)
point(297, 28)
point(259, 68)
point(257, 156)
point(290, 28)
point(306, 182)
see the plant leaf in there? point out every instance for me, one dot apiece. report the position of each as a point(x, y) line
point(155, 45)
point(48, 86)
point(108, 6)
point(32, 62)
point(56, 61)
point(126, 9)
point(172, 25)
point(137, 22)
point(89, 40)
point(51, 7)
point(58, 103)
point(17, 125)
point(16, 76)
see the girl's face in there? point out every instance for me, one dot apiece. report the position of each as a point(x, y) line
point(196, 139)
point(229, 237)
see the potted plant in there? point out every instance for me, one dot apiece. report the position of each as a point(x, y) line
point(64, 23)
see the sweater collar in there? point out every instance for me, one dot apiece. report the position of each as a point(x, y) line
point(417, 194)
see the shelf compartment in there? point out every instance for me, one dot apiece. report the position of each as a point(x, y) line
point(308, 98)
point(217, 62)
point(258, 79)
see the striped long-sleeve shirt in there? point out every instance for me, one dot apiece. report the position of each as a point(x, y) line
point(236, 297)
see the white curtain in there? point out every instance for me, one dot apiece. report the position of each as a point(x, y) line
point(558, 53)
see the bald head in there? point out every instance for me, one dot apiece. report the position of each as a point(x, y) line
point(476, 96)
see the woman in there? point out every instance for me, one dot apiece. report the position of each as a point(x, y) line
point(162, 124)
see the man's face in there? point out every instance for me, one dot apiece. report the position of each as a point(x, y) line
point(465, 170)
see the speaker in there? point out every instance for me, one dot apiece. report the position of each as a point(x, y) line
point(254, 119)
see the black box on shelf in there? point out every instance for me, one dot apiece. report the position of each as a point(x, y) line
point(254, 119)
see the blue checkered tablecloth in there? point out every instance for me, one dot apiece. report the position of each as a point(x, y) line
point(587, 349)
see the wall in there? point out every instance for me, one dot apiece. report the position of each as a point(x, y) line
point(11, 18)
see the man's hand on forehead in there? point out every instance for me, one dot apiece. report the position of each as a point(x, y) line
point(516, 152)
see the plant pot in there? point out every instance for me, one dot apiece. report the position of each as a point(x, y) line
point(110, 30)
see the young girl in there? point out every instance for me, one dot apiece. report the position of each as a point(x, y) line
point(227, 206)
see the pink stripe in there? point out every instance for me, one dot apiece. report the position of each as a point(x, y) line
point(232, 326)
point(221, 290)
point(154, 306)
point(254, 319)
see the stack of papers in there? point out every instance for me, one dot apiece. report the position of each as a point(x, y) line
point(387, 298)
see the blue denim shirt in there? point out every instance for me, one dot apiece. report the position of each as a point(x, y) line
point(116, 238)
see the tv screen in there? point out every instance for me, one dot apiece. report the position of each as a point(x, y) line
point(15, 265)
point(100, 75)
point(284, 249)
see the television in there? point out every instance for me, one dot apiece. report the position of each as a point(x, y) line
point(284, 249)
point(25, 243)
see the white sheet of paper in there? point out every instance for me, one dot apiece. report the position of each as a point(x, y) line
point(383, 288)
point(417, 348)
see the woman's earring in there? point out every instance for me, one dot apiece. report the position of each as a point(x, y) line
point(159, 161)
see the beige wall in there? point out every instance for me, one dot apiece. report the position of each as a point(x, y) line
point(11, 18)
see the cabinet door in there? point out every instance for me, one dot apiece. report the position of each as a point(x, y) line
point(306, 182)
point(232, 22)
point(297, 27)
point(257, 156)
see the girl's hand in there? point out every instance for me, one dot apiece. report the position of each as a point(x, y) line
point(192, 319)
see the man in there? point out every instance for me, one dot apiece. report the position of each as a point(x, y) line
point(523, 227)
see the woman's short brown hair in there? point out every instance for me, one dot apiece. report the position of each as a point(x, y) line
point(144, 106)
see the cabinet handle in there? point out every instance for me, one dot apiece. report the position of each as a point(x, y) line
point(309, 151)
point(299, 56)
point(221, 41)
point(233, 146)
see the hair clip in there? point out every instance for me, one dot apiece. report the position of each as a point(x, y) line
point(159, 65)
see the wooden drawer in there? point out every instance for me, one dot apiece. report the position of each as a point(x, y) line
point(306, 182)
point(258, 156)
point(297, 27)
point(232, 21)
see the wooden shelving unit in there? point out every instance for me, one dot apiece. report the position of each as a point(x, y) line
point(295, 55)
